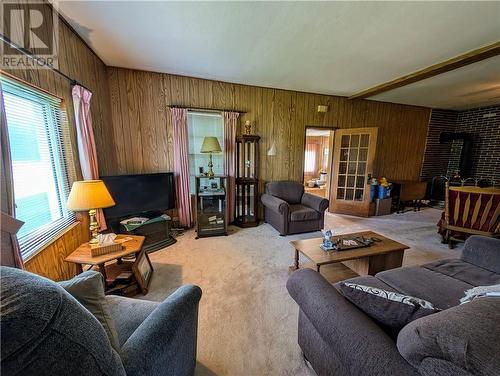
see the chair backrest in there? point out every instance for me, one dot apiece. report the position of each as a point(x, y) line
point(290, 191)
point(45, 328)
point(482, 251)
point(473, 208)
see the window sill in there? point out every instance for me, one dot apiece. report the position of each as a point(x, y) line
point(51, 241)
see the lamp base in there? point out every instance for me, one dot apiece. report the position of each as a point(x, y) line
point(210, 172)
point(93, 227)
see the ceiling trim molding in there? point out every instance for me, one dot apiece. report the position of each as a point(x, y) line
point(457, 62)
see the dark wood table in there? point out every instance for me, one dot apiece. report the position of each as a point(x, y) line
point(81, 256)
point(380, 256)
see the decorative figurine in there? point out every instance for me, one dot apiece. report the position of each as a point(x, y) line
point(248, 127)
point(327, 241)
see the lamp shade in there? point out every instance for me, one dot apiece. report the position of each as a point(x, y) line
point(210, 145)
point(89, 194)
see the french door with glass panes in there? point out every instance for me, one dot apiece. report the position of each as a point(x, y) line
point(353, 156)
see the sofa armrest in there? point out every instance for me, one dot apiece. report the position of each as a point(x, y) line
point(345, 328)
point(314, 202)
point(165, 343)
point(275, 203)
point(483, 252)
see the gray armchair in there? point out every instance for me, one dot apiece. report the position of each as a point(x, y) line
point(45, 331)
point(291, 211)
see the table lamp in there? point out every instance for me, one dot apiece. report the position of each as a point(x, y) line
point(90, 195)
point(210, 145)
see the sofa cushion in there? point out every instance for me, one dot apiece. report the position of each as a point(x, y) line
point(45, 331)
point(465, 272)
point(467, 335)
point(88, 289)
point(303, 213)
point(389, 308)
point(290, 191)
point(441, 290)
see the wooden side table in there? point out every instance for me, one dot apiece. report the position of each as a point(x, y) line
point(81, 256)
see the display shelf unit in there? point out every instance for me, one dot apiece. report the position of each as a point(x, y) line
point(211, 208)
point(247, 182)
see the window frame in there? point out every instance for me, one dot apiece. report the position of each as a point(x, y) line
point(59, 140)
point(191, 156)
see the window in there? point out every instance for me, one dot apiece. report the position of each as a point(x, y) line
point(310, 158)
point(200, 125)
point(40, 150)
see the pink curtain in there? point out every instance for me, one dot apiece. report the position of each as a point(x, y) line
point(86, 143)
point(181, 166)
point(10, 255)
point(230, 125)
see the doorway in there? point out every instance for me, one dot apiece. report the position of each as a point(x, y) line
point(318, 160)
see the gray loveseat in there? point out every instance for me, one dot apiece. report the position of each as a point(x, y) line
point(462, 340)
point(291, 211)
point(45, 331)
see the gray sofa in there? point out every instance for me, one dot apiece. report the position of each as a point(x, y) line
point(339, 339)
point(291, 211)
point(45, 331)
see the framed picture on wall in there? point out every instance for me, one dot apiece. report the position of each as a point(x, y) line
point(143, 271)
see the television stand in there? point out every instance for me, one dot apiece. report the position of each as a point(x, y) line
point(157, 235)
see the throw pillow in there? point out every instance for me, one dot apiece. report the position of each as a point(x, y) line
point(88, 289)
point(391, 309)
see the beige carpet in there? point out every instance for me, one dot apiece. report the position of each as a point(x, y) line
point(247, 321)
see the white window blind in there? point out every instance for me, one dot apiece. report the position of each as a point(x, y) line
point(41, 163)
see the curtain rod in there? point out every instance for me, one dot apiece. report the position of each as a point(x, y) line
point(206, 109)
point(40, 61)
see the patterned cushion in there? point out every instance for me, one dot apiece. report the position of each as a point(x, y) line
point(391, 309)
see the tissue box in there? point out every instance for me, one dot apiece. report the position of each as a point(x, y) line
point(99, 250)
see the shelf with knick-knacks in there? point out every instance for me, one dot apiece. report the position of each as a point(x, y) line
point(247, 161)
point(211, 211)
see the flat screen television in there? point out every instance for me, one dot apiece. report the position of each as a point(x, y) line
point(139, 194)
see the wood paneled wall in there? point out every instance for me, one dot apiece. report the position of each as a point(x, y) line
point(142, 127)
point(50, 263)
point(80, 63)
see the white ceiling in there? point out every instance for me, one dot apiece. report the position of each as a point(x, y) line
point(336, 48)
point(468, 87)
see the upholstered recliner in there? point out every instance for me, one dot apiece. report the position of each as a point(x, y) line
point(46, 331)
point(291, 211)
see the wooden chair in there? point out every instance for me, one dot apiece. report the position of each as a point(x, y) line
point(409, 192)
point(470, 211)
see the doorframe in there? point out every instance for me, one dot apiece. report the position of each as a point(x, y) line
point(330, 155)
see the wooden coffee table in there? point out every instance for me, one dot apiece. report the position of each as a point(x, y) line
point(380, 256)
